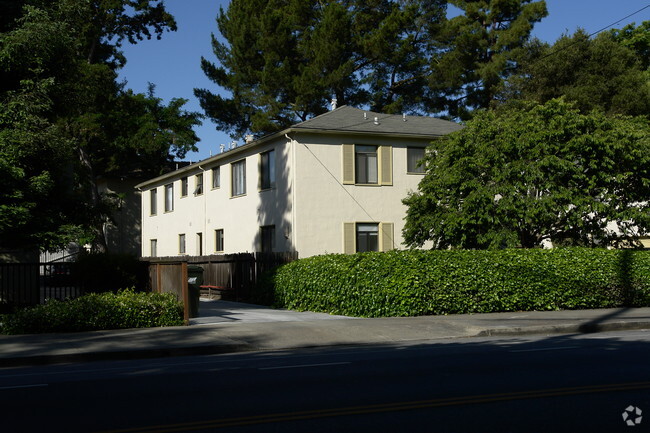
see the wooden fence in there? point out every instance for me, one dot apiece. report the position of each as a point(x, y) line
point(28, 284)
point(236, 273)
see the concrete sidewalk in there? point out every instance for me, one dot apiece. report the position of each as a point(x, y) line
point(241, 327)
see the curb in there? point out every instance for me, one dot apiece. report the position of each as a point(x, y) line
point(572, 328)
point(217, 349)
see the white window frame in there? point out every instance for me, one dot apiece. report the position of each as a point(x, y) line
point(169, 197)
point(238, 184)
point(267, 170)
point(153, 201)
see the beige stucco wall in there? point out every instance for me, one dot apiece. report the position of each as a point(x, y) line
point(240, 217)
point(308, 206)
point(323, 203)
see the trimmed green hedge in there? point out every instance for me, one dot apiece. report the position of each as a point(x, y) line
point(413, 283)
point(97, 311)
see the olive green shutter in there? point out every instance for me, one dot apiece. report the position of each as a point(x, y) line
point(348, 164)
point(386, 165)
point(386, 239)
point(349, 238)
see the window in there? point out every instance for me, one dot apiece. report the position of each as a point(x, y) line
point(199, 244)
point(153, 246)
point(367, 237)
point(365, 164)
point(267, 170)
point(363, 236)
point(413, 156)
point(267, 236)
point(153, 201)
point(184, 187)
point(218, 235)
point(169, 197)
point(181, 244)
point(238, 171)
point(216, 177)
point(198, 182)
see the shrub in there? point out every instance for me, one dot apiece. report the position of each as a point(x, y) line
point(411, 283)
point(125, 309)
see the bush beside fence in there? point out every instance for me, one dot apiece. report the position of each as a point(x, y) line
point(412, 283)
point(97, 311)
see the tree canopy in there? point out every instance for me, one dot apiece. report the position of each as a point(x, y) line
point(65, 120)
point(607, 72)
point(281, 61)
point(520, 176)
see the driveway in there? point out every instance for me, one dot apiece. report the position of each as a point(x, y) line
point(218, 311)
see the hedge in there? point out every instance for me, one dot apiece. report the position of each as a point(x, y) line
point(413, 283)
point(97, 311)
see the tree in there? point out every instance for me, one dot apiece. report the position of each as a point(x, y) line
point(594, 73)
point(637, 38)
point(281, 61)
point(64, 119)
point(520, 176)
point(480, 49)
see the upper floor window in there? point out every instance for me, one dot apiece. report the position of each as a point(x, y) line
point(267, 170)
point(413, 157)
point(365, 164)
point(198, 182)
point(169, 197)
point(153, 201)
point(184, 186)
point(238, 171)
point(216, 177)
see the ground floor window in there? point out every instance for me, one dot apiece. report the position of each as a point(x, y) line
point(153, 246)
point(181, 244)
point(267, 237)
point(218, 234)
point(367, 237)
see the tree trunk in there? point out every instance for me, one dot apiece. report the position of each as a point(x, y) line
point(99, 241)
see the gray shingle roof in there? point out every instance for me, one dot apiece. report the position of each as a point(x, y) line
point(350, 119)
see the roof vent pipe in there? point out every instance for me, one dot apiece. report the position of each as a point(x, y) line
point(334, 101)
point(404, 117)
point(365, 116)
point(249, 138)
point(376, 121)
point(222, 148)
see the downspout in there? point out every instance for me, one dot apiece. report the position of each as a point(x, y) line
point(141, 222)
point(205, 214)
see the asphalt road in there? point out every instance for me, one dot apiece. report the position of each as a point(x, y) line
point(568, 383)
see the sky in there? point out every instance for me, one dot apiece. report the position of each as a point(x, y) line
point(172, 64)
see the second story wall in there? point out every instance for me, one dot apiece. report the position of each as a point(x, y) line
point(236, 202)
point(351, 183)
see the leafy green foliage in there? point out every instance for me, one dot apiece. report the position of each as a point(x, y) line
point(125, 309)
point(524, 175)
point(480, 47)
point(608, 72)
point(282, 61)
point(65, 120)
point(414, 283)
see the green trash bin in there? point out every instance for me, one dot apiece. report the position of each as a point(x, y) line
point(194, 283)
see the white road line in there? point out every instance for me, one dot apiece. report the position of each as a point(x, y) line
point(546, 349)
point(303, 366)
point(38, 385)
